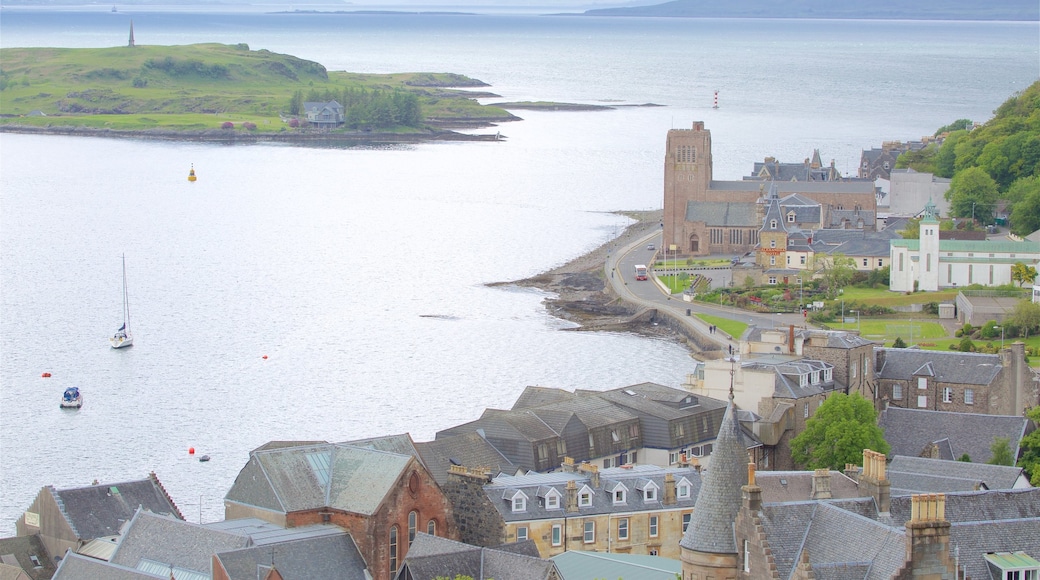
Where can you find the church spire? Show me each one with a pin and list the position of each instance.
(131, 44)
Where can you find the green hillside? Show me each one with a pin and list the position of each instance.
(203, 85)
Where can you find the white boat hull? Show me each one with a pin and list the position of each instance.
(72, 404)
(121, 342)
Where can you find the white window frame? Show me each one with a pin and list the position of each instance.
(654, 530)
(969, 396)
(897, 392)
(521, 533)
(552, 501)
(922, 383)
(557, 535)
(519, 503)
(589, 535)
(922, 401)
(947, 395)
(650, 493)
(620, 496)
(686, 519)
(622, 528)
(805, 411)
(585, 498)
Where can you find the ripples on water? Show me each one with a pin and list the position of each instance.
(360, 272)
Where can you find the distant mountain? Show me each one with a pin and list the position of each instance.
(1025, 10)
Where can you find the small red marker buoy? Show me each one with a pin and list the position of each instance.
(264, 357)
(191, 451)
(46, 375)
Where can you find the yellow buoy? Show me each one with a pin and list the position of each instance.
(191, 174)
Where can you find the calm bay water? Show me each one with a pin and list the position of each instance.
(361, 272)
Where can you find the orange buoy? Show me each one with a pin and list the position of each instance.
(191, 451)
(264, 357)
(46, 375)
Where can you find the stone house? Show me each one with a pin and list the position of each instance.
(329, 115)
(381, 498)
(643, 423)
(736, 534)
(70, 519)
(634, 509)
(954, 381)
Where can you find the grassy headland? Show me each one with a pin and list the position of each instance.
(198, 88)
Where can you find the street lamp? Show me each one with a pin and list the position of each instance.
(1001, 327)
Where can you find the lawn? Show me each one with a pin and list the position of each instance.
(887, 329)
(885, 297)
(733, 328)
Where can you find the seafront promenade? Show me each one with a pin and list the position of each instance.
(619, 272)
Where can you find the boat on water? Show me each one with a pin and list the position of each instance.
(72, 398)
(122, 338)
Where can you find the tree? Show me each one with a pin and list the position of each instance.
(965, 458)
(1023, 274)
(1025, 213)
(912, 230)
(898, 342)
(1000, 451)
(837, 434)
(1026, 316)
(838, 270)
(1030, 448)
(958, 125)
(296, 103)
(973, 193)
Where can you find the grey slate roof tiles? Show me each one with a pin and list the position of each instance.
(922, 475)
(719, 499)
(22, 549)
(910, 431)
(430, 557)
(952, 367)
(468, 449)
(76, 567)
(723, 213)
(172, 542)
(329, 557)
(101, 510)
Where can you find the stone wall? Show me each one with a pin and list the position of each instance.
(477, 521)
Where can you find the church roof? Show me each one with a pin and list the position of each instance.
(722, 213)
(719, 500)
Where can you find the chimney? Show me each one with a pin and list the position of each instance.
(928, 538)
(592, 471)
(872, 480)
(568, 465)
(852, 471)
(572, 497)
(790, 338)
(751, 493)
(698, 125)
(669, 489)
(821, 484)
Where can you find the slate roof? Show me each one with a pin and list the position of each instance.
(401, 444)
(723, 213)
(869, 247)
(788, 486)
(662, 402)
(330, 557)
(76, 567)
(851, 216)
(468, 449)
(343, 477)
(539, 396)
(951, 367)
(834, 338)
(101, 510)
(20, 548)
(172, 542)
(579, 565)
(785, 187)
(922, 475)
(773, 212)
(432, 556)
(909, 431)
(787, 384)
(719, 499)
(535, 485)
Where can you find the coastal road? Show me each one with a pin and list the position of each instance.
(619, 270)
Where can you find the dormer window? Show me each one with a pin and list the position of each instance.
(614, 436)
(519, 502)
(772, 224)
(1012, 566)
(790, 218)
(650, 493)
(620, 496)
(552, 500)
(816, 377)
(827, 375)
(682, 490)
(803, 380)
(585, 497)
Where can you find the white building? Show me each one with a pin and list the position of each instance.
(910, 190)
(931, 263)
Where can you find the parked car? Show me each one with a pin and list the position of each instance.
(651, 247)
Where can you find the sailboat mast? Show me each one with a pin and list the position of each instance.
(126, 299)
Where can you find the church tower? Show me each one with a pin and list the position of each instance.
(928, 264)
(687, 175)
(708, 549)
(772, 238)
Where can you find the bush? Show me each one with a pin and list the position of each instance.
(249, 126)
(966, 345)
(294, 123)
(931, 308)
(958, 333)
(140, 83)
(227, 125)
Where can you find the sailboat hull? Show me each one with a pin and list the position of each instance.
(121, 342)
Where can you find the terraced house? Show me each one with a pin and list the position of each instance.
(635, 509)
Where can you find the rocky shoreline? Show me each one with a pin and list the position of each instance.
(581, 295)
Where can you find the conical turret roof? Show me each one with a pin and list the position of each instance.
(711, 527)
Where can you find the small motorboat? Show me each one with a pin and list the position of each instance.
(204, 458)
(72, 399)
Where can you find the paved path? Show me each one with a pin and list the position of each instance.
(619, 270)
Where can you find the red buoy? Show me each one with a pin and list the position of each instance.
(191, 451)
(265, 357)
(46, 375)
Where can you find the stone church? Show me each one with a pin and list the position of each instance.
(703, 216)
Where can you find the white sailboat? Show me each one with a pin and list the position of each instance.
(122, 337)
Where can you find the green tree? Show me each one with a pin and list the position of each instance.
(965, 458)
(1030, 449)
(912, 231)
(1000, 451)
(837, 434)
(973, 193)
(1022, 273)
(1026, 316)
(838, 270)
(898, 342)
(296, 103)
(958, 125)
(1025, 212)
(946, 157)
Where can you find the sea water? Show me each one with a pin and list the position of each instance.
(300, 293)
